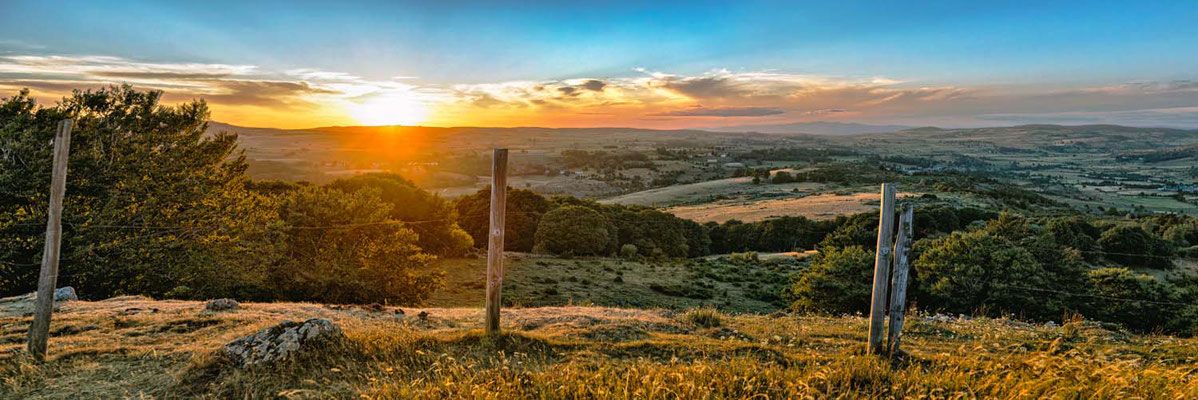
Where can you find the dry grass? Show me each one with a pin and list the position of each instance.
(124, 349)
(819, 207)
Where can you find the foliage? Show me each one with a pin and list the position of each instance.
(573, 230)
(152, 203)
(339, 252)
(1139, 295)
(628, 251)
(436, 220)
(522, 214)
(980, 271)
(1132, 246)
(839, 281)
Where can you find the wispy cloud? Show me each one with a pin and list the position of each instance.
(251, 94)
(721, 112)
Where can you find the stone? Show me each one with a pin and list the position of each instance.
(65, 293)
(222, 305)
(281, 341)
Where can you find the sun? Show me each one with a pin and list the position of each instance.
(388, 109)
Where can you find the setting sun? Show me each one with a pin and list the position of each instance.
(388, 109)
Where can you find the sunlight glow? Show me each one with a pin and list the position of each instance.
(389, 109)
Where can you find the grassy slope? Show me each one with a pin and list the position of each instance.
(135, 347)
(538, 282)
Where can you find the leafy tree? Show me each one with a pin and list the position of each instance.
(1138, 297)
(839, 280)
(338, 252)
(573, 230)
(153, 204)
(858, 230)
(1182, 235)
(1132, 246)
(1075, 233)
(783, 177)
(436, 224)
(967, 272)
(523, 212)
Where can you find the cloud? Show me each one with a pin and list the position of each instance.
(721, 112)
(594, 85)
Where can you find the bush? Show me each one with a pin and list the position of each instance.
(978, 270)
(1132, 246)
(356, 264)
(839, 280)
(523, 212)
(438, 230)
(628, 251)
(1137, 311)
(572, 230)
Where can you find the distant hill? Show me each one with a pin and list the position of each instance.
(829, 128)
(1045, 137)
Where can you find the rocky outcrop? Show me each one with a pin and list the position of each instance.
(281, 341)
(222, 305)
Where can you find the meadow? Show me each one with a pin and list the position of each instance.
(134, 347)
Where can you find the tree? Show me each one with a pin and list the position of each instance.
(523, 212)
(436, 219)
(573, 230)
(1132, 246)
(335, 252)
(154, 204)
(1138, 294)
(840, 280)
(980, 271)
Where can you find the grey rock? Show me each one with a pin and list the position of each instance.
(65, 293)
(281, 341)
(222, 305)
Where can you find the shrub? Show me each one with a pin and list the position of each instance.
(523, 213)
(1137, 311)
(978, 270)
(438, 231)
(838, 281)
(628, 251)
(355, 264)
(1132, 246)
(574, 230)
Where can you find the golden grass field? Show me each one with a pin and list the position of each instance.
(817, 207)
(133, 347)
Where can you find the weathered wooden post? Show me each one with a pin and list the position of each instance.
(495, 242)
(877, 308)
(48, 277)
(898, 286)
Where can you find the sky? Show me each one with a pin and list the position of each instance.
(299, 64)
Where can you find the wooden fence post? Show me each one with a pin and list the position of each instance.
(495, 244)
(48, 277)
(898, 287)
(877, 308)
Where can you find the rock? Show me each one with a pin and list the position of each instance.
(280, 341)
(65, 293)
(222, 305)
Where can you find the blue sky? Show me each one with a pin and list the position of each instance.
(449, 58)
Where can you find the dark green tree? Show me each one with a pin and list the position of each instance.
(524, 209)
(436, 220)
(839, 280)
(573, 230)
(154, 204)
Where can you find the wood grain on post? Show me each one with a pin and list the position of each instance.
(495, 242)
(877, 308)
(48, 277)
(898, 286)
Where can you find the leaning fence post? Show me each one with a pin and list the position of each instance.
(495, 244)
(898, 287)
(877, 309)
(48, 277)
